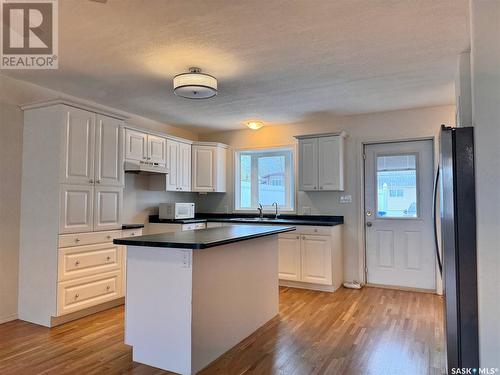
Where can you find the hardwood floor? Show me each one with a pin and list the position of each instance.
(370, 331)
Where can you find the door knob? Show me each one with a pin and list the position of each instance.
(369, 224)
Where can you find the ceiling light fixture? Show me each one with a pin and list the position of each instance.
(195, 85)
(254, 125)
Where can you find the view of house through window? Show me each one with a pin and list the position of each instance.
(397, 186)
(265, 177)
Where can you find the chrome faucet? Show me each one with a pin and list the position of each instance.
(261, 211)
(277, 214)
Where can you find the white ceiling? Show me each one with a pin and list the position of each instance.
(278, 61)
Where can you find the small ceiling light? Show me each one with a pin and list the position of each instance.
(254, 125)
(195, 85)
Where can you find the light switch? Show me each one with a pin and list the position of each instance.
(345, 199)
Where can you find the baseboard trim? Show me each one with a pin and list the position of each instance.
(8, 318)
(403, 288)
(310, 286)
(58, 320)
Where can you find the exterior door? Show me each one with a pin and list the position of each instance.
(157, 149)
(108, 208)
(203, 168)
(398, 214)
(184, 170)
(289, 257)
(108, 162)
(308, 164)
(76, 210)
(136, 145)
(317, 259)
(78, 154)
(172, 165)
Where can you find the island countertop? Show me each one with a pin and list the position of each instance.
(203, 238)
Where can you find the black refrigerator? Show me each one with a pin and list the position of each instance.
(458, 244)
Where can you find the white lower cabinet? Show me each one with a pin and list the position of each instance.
(289, 257)
(77, 294)
(311, 257)
(316, 259)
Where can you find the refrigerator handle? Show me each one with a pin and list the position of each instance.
(434, 215)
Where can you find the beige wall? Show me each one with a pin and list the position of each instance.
(485, 64)
(395, 125)
(138, 201)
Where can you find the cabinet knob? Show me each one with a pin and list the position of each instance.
(108, 237)
(77, 263)
(108, 287)
(91, 181)
(321, 187)
(77, 240)
(315, 188)
(98, 181)
(133, 233)
(298, 237)
(108, 259)
(77, 295)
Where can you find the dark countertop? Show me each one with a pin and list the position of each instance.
(132, 226)
(203, 238)
(315, 220)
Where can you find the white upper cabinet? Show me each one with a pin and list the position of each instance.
(136, 145)
(108, 155)
(321, 162)
(157, 149)
(76, 208)
(108, 208)
(331, 163)
(209, 167)
(308, 164)
(184, 169)
(172, 165)
(77, 163)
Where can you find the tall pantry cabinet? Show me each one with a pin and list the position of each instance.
(71, 210)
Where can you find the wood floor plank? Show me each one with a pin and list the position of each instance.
(369, 331)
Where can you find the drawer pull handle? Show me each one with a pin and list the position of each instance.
(77, 240)
(108, 259)
(77, 263)
(132, 234)
(77, 295)
(108, 287)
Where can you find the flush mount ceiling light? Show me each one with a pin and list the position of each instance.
(254, 125)
(195, 85)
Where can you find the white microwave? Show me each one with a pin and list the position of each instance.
(175, 211)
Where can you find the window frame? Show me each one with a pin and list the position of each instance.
(290, 173)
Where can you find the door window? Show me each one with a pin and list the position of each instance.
(397, 186)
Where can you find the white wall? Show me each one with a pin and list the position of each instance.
(395, 125)
(138, 202)
(485, 64)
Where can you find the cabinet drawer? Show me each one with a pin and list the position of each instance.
(89, 238)
(132, 232)
(80, 261)
(200, 226)
(81, 293)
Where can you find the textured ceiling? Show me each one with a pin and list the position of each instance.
(278, 61)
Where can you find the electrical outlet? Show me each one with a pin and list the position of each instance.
(345, 199)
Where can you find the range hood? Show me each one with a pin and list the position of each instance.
(144, 167)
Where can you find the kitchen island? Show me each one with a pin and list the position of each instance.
(191, 296)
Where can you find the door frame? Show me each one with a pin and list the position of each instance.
(361, 210)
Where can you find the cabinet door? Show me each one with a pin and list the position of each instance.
(184, 169)
(77, 162)
(308, 164)
(108, 156)
(76, 208)
(289, 257)
(136, 145)
(172, 165)
(331, 171)
(108, 207)
(203, 168)
(316, 252)
(157, 149)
